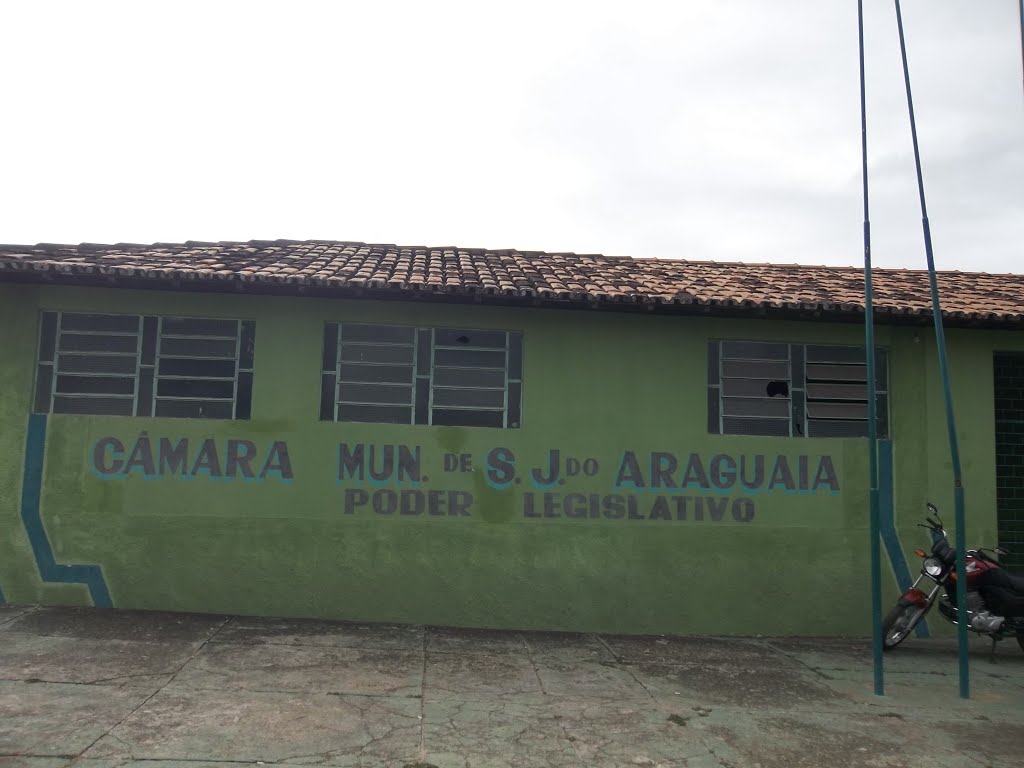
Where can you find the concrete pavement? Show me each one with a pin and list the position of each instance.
(104, 689)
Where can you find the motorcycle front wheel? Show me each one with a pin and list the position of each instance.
(899, 623)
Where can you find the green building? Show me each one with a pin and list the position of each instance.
(486, 438)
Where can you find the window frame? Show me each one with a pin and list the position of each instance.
(146, 358)
(423, 369)
(798, 383)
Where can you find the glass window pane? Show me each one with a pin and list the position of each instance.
(377, 414)
(751, 406)
(469, 377)
(394, 374)
(97, 364)
(144, 402)
(714, 362)
(243, 402)
(825, 372)
(774, 388)
(754, 350)
(470, 398)
(423, 352)
(378, 334)
(819, 410)
(398, 394)
(747, 369)
(368, 353)
(834, 354)
(200, 368)
(85, 343)
(826, 428)
(94, 406)
(191, 347)
(817, 391)
(47, 336)
(515, 397)
(454, 418)
(44, 387)
(74, 321)
(765, 427)
(714, 411)
(188, 326)
(469, 358)
(422, 401)
(95, 385)
(330, 351)
(195, 388)
(451, 337)
(247, 345)
(149, 340)
(515, 356)
(327, 384)
(194, 409)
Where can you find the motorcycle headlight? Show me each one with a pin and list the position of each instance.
(932, 567)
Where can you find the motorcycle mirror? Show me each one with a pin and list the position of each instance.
(932, 508)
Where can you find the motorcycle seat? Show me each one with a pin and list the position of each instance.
(1000, 577)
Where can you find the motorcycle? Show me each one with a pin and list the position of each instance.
(995, 597)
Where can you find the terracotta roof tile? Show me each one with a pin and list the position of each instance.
(533, 277)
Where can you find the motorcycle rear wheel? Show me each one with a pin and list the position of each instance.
(899, 623)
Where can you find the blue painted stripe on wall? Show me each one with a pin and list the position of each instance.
(31, 493)
(891, 539)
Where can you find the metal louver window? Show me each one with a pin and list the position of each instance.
(780, 389)
(88, 363)
(125, 365)
(203, 368)
(407, 375)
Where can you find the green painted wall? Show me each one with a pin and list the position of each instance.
(595, 385)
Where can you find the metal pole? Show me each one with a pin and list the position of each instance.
(940, 342)
(869, 353)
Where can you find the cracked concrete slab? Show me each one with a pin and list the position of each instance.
(638, 732)
(310, 669)
(474, 641)
(690, 650)
(735, 684)
(520, 731)
(109, 624)
(567, 646)
(12, 761)
(46, 658)
(590, 679)
(52, 719)
(854, 739)
(325, 633)
(9, 613)
(481, 676)
(316, 729)
(288, 692)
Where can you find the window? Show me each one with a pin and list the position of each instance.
(404, 375)
(124, 365)
(771, 388)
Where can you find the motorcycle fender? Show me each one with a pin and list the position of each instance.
(914, 596)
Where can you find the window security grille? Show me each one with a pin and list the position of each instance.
(778, 389)
(124, 365)
(406, 375)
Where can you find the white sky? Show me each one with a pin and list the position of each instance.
(699, 129)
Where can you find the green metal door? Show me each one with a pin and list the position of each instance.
(1009, 407)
